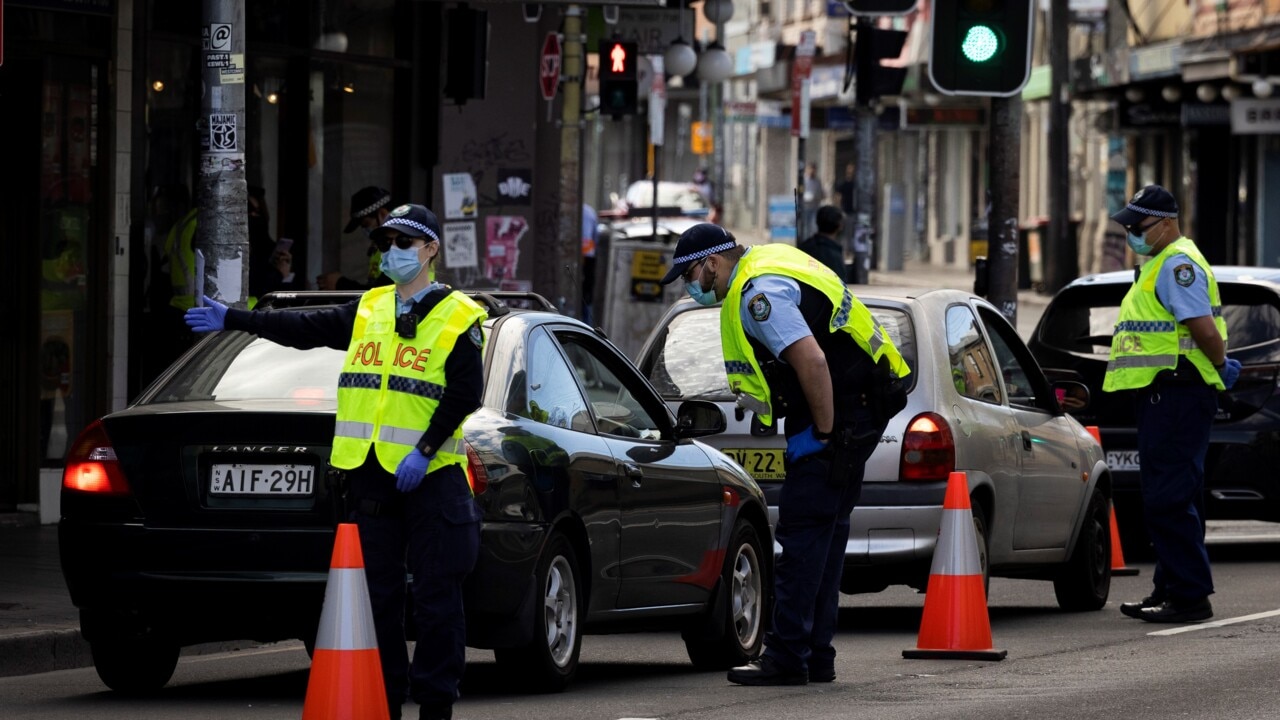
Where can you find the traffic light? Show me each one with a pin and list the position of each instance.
(880, 7)
(617, 77)
(874, 44)
(981, 47)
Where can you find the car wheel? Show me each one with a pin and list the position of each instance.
(980, 531)
(733, 633)
(549, 662)
(1084, 582)
(134, 666)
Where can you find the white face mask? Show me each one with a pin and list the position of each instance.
(402, 266)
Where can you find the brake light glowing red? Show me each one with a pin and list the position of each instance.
(477, 476)
(928, 449)
(92, 466)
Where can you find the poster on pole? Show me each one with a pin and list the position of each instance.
(459, 196)
(459, 245)
(502, 245)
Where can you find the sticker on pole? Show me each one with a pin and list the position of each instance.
(222, 132)
(549, 66)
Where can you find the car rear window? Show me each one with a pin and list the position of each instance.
(238, 366)
(1082, 319)
(689, 362)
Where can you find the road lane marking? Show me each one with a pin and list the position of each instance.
(1216, 623)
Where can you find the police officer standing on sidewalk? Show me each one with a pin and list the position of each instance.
(1169, 347)
(412, 375)
(798, 344)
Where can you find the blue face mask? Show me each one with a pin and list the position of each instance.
(700, 296)
(401, 266)
(1138, 243)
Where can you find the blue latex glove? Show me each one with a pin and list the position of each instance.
(411, 470)
(1230, 372)
(213, 316)
(803, 445)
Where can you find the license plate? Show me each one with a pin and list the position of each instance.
(244, 479)
(1122, 459)
(762, 464)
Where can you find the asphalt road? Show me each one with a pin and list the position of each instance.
(1060, 665)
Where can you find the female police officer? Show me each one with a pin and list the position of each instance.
(798, 343)
(412, 375)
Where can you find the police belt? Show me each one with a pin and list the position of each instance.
(1185, 374)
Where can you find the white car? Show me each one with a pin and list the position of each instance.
(977, 402)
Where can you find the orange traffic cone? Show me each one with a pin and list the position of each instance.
(346, 672)
(1117, 553)
(955, 625)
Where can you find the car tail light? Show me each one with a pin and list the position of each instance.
(928, 449)
(477, 476)
(92, 466)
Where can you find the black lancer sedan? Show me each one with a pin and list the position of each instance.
(206, 511)
(1074, 335)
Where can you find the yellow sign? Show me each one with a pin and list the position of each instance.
(647, 268)
(703, 142)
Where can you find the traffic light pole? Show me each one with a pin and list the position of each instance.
(1003, 145)
(569, 249)
(864, 199)
(1063, 265)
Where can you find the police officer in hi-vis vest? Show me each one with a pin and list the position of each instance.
(412, 375)
(1169, 348)
(798, 344)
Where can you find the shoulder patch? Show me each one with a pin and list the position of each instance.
(1184, 274)
(400, 211)
(476, 335)
(759, 307)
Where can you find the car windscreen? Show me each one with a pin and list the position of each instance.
(1082, 319)
(688, 362)
(685, 197)
(234, 366)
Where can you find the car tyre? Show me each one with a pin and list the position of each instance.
(980, 531)
(733, 633)
(134, 666)
(550, 660)
(1084, 582)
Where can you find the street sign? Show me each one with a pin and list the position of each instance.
(700, 138)
(549, 66)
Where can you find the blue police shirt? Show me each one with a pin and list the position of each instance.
(1183, 288)
(781, 324)
(403, 306)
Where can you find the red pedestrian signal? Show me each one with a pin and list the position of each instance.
(617, 77)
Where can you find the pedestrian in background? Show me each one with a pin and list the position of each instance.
(270, 263)
(813, 197)
(369, 209)
(1169, 347)
(824, 245)
(798, 344)
(399, 439)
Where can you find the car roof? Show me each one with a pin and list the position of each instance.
(1223, 273)
(496, 302)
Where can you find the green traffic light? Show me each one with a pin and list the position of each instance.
(981, 43)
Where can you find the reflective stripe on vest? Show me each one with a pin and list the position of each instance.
(390, 386)
(848, 314)
(1148, 338)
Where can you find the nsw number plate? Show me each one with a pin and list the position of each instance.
(1122, 459)
(243, 479)
(762, 464)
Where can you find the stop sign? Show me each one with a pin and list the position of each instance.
(549, 66)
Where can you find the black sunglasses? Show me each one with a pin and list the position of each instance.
(1139, 229)
(404, 242)
(688, 273)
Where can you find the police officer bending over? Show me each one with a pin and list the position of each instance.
(412, 375)
(1169, 347)
(798, 344)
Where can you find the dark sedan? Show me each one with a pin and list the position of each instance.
(601, 514)
(1074, 335)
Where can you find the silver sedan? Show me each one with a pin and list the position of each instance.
(978, 403)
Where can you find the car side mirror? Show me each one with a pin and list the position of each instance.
(699, 418)
(1072, 396)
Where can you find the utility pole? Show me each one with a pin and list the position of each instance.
(222, 193)
(801, 70)
(864, 199)
(1004, 142)
(569, 249)
(1062, 264)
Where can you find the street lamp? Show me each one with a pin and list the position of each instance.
(715, 65)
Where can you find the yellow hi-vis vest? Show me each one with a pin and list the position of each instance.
(1148, 338)
(179, 248)
(848, 314)
(390, 386)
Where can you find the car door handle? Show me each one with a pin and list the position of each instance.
(634, 473)
(1026, 441)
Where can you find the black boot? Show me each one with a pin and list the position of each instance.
(766, 672)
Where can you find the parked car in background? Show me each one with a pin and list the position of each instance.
(978, 403)
(1073, 338)
(682, 195)
(601, 513)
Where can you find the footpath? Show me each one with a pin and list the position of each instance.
(40, 628)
